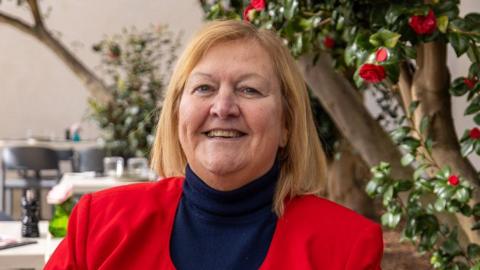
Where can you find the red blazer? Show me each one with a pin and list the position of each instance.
(129, 227)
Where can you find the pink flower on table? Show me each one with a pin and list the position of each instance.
(59, 193)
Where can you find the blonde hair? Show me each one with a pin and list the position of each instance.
(303, 166)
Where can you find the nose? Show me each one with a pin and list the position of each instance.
(225, 104)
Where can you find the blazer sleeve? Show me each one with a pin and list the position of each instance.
(70, 253)
(367, 251)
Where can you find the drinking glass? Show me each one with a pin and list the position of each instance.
(113, 166)
(138, 166)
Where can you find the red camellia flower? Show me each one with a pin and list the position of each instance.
(372, 73)
(329, 42)
(470, 83)
(474, 134)
(254, 4)
(381, 55)
(423, 25)
(453, 180)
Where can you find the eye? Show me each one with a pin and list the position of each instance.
(203, 89)
(250, 92)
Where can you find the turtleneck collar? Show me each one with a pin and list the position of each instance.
(249, 199)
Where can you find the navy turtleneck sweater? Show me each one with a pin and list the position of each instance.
(224, 230)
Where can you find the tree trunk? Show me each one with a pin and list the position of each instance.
(346, 181)
(430, 86)
(353, 120)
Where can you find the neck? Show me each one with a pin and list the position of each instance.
(248, 198)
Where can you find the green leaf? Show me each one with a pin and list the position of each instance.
(474, 70)
(451, 247)
(462, 195)
(410, 144)
(459, 43)
(458, 88)
(306, 24)
(371, 188)
(424, 124)
(476, 266)
(444, 173)
(407, 159)
(413, 106)
(291, 7)
(400, 133)
(440, 204)
(403, 185)
(388, 195)
(474, 107)
(466, 147)
(472, 21)
(393, 13)
(420, 171)
(476, 210)
(477, 119)
(384, 38)
(442, 24)
(473, 251)
(390, 220)
(448, 8)
(429, 144)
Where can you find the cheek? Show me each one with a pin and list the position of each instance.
(268, 122)
(191, 115)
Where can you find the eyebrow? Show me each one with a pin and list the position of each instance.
(243, 77)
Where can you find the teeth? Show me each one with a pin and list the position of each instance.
(224, 133)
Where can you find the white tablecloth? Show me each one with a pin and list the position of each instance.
(31, 256)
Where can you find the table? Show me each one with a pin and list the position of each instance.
(87, 182)
(52, 144)
(31, 256)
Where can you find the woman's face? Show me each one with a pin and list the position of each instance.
(231, 115)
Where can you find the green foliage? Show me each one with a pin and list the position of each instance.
(421, 226)
(359, 30)
(135, 65)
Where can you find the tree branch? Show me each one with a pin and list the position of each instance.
(405, 85)
(93, 84)
(35, 12)
(430, 86)
(16, 23)
(345, 107)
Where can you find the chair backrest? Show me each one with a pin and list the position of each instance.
(64, 154)
(90, 159)
(30, 158)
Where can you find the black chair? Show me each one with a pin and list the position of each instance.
(66, 155)
(90, 159)
(30, 163)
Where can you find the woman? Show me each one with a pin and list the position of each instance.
(236, 122)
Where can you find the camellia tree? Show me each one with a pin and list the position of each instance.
(396, 51)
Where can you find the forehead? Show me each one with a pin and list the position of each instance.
(236, 57)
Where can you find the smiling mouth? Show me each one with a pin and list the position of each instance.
(227, 134)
